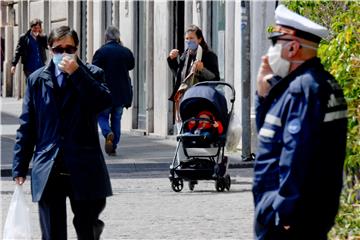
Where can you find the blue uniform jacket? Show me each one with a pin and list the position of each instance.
(47, 127)
(302, 126)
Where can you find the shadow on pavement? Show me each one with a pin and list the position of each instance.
(139, 156)
(7, 118)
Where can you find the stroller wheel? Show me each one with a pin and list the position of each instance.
(227, 182)
(220, 184)
(192, 185)
(177, 184)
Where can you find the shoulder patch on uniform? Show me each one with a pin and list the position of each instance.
(294, 126)
(295, 86)
(304, 83)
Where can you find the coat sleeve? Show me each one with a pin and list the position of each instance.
(173, 65)
(211, 68)
(262, 104)
(97, 59)
(18, 51)
(25, 136)
(90, 83)
(303, 119)
(131, 62)
(260, 111)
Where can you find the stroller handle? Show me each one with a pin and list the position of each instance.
(216, 83)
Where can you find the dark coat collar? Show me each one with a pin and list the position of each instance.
(48, 74)
(112, 42)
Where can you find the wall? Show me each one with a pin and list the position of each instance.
(127, 33)
(162, 77)
(159, 34)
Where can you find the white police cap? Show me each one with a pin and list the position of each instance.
(297, 25)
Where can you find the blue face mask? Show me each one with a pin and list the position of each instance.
(57, 58)
(192, 45)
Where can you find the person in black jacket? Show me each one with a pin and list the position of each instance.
(31, 48)
(58, 132)
(116, 61)
(187, 66)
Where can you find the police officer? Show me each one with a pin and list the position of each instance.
(301, 118)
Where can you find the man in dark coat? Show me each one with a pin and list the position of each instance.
(301, 117)
(58, 131)
(31, 48)
(116, 61)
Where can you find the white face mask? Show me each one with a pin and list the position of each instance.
(35, 34)
(57, 58)
(278, 65)
(70, 55)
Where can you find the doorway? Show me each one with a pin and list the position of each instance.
(178, 39)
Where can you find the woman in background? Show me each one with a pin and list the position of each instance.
(196, 64)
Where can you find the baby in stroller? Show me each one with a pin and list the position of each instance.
(205, 123)
(199, 153)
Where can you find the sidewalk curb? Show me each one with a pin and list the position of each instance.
(161, 166)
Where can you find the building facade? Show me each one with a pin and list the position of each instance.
(150, 29)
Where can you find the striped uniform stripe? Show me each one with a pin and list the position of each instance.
(267, 132)
(273, 120)
(332, 116)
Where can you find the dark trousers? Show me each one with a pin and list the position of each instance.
(52, 211)
(113, 114)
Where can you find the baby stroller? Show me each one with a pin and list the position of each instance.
(202, 138)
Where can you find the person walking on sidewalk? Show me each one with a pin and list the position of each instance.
(116, 61)
(58, 131)
(299, 162)
(31, 48)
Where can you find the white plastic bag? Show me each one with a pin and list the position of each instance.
(17, 224)
(233, 133)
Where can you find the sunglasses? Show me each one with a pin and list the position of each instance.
(274, 40)
(60, 50)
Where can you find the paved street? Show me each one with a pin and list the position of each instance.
(143, 205)
(146, 208)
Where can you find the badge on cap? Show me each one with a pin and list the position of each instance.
(294, 126)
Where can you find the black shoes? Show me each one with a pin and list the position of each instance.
(112, 153)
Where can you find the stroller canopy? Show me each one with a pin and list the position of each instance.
(203, 97)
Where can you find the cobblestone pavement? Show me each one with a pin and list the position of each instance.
(147, 208)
